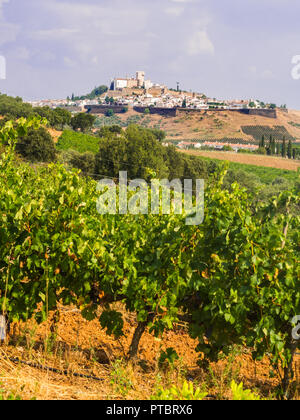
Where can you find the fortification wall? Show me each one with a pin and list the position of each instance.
(166, 112)
(268, 113)
(102, 109)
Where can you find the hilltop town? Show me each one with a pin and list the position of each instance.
(139, 92)
(190, 120)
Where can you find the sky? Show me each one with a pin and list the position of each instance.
(228, 49)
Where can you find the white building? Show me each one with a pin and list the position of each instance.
(120, 83)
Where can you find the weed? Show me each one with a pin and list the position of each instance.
(120, 378)
(186, 392)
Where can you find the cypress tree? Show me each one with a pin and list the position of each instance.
(273, 146)
(289, 151)
(283, 150)
(269, 151)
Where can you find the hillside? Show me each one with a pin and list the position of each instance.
(210, 125)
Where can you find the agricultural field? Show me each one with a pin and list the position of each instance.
(112, 306)
(249, 159)
(81, 346)
(278, 132)
(69, 140)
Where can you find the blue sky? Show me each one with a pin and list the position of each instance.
(224, 48)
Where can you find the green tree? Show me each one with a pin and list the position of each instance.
(83, 161)
(97, 91)
(107, 131)
(110, 113)
(272, 146)
(135, 150)
(37, 146)
(175, 162)
(283, 148)
(14, 107)
(159, 134)
(290, 150)
(83, 122)
(64, 115)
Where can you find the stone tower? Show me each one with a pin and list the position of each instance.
(140, 77)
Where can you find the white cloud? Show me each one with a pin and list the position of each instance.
(174, 11)
(8, 31)
(1, 5)
(89, 31)
(199, 43)
(22, 53)
(69, 62)
(261, 74)
(267, 75)
(47, 56)
(54, 34)
(107, 20)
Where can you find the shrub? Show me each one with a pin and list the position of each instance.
(37, 146)
(241, 394)
(83, 161)
(109, 113)
(83, 122)
(227, 149)
(261, 151)
(186, 392)
(108, 130)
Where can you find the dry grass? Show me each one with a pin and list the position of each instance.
(55, 134)
(249, 159)
(218, 124)
(81, 346)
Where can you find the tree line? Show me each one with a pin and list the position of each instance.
(275, 148)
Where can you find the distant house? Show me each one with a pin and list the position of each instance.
(187, 144)
(234, 146)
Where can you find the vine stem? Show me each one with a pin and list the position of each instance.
(138, 333)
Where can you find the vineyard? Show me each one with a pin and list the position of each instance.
(257, 131)
(234, 280)
(78, 142)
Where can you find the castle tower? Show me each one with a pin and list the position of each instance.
(140, 77)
